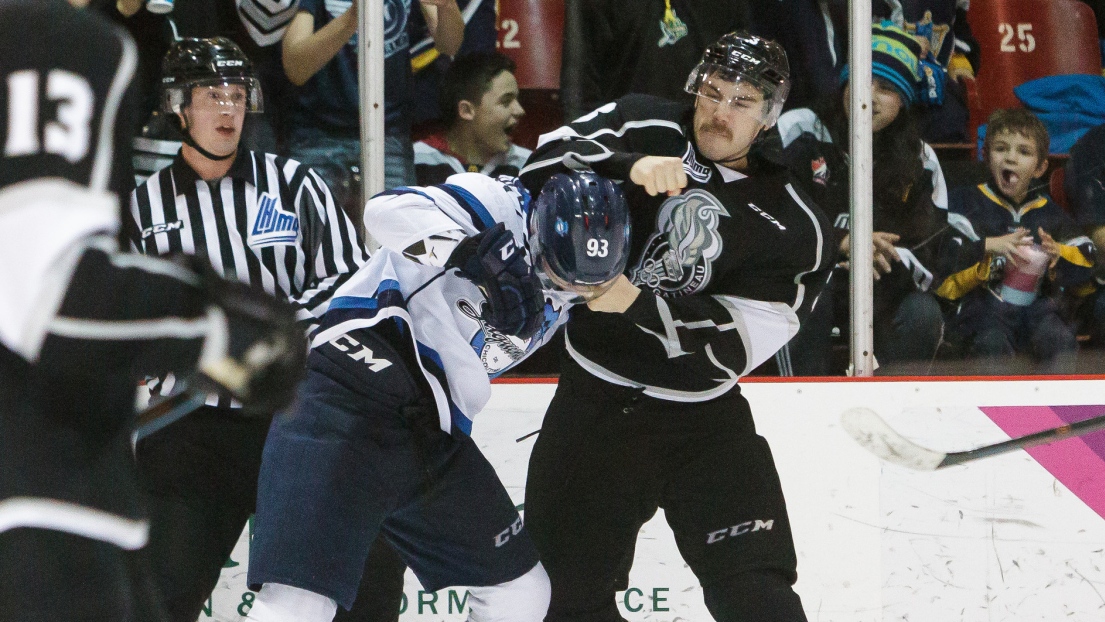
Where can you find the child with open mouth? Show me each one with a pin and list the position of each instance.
(1028, 254)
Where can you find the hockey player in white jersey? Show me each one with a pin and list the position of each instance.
(379, 442)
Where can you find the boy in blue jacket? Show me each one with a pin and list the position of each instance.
(1008, 305)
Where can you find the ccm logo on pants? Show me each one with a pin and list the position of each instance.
(364, 354)
(737, 530)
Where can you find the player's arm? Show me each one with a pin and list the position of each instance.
(698, 345)
(610, 141)
(694, 346)
(332, 247)
(80, 310)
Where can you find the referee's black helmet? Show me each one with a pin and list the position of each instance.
(213, 61)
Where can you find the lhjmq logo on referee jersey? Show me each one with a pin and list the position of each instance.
(273, 225)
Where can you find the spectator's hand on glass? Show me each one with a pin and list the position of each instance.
(882, 251)
(659, 175)
(1007, 245)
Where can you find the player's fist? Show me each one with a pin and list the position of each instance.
(491, 260)
(659, 175)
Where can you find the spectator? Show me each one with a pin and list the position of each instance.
(948, 52)
(910, 208)
(643, 46)
(1009, 299)
(428, 64)
(805, 29)
(320, 54)
(479, 106)
(1085, 188)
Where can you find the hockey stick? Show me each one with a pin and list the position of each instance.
(167, 411)
(873, 434)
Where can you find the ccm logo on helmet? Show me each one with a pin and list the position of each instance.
(228, 63)
(737, 530)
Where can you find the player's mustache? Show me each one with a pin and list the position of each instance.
(717, 128)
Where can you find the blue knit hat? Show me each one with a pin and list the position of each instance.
(895, 57)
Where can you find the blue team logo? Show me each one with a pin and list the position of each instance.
(396, 38)
(498, 351)
(273, 226)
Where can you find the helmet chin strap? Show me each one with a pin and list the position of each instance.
(186, 135)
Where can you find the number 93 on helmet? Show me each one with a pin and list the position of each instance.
(579, 233)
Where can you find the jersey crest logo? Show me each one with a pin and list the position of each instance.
(176, 225)
(678, 260)
(396, 38)
(695, 169)
(497, 351)
(672, 28)
(820, 170)
(273, 226)
(935, 33)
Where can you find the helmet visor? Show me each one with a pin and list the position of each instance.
(759, 99)
(217, 93)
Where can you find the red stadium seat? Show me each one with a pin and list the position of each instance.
(530, 32)
(1022, 40)
(1055, 187)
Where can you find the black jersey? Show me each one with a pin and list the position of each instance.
(728, 269)
(80, 322)
(64, 103)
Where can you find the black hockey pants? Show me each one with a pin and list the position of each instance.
(608, 457)
(200, 474)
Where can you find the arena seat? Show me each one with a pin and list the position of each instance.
(1056, 189)
(530, 33)
(1022, 40)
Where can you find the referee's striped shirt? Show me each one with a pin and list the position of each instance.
(270, 221)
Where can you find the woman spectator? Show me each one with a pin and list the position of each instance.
(910, 208)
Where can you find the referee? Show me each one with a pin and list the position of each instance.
(255, 217)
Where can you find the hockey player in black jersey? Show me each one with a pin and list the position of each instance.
(80, 323)
(727, 258)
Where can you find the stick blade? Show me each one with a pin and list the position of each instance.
(873, 434)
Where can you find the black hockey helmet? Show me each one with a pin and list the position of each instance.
(743, 57)
(579, 232)
(206, 62)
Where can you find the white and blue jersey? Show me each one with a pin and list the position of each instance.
(438, 310)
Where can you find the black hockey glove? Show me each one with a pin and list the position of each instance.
(491, 260)
(266, 350)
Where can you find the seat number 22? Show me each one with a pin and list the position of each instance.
(597, 247)
(66, 135)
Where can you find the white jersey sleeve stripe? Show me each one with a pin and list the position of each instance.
(101, 168)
